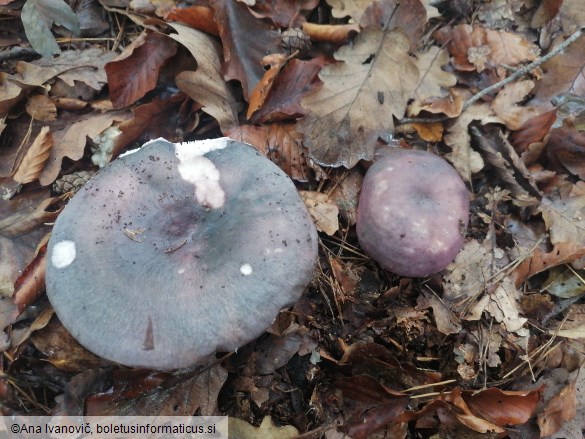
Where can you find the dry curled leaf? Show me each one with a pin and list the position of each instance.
(206, 84)
(31, 166)
(322, 210)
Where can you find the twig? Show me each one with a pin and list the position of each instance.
(517, 74)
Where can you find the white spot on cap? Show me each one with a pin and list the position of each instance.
(200, 171)
(63, 254)
(246, 269)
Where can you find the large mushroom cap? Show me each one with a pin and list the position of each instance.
(178, 250)
(413, 213)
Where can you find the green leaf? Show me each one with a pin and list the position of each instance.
(39, 15)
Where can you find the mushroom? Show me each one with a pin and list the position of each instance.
(413, 213)
(176, 251)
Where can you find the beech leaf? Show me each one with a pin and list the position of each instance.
(32, 164)
(206, 84)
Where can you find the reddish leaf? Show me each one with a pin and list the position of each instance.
(31, 283)
(369, 405)
(503, 408)
(275, 63)
(246, 41)
(566, 147)
(295, 80)
(547, 10)
(560, 409)
(158, 118)
(533, 130)
(148, 393)
(564, 73)
(197, 17)
(562, 253)
(135, 71)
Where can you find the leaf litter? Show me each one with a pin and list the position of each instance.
(493, 345)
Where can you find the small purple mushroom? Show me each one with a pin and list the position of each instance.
(176, 251)
(413, 213)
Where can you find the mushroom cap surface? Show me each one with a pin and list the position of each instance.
(413, 213)
(176, 251)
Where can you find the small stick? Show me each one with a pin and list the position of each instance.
(517, 74)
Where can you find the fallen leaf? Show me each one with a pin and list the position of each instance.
(158, 394)
(503, 306)
(407, 15)
(346, 195)
(62, 350)
(545, 12)
(507, 165)
(504, 47)
(275, 63)
(31, 283)
(71, 140)
(283, 13)
(239, 429)
(159, 118)
(246, 40)
(296, 79)
(40, 107)
(503, 408)
(368, 405)
(10, 94)
(21, 227)
(281, 143)
(539, 261)
(135, 71)
(322, 210)
(566, 148)
(563, 212)
(359, 98)
(31, 166)
(85, 66)
(463, 157)
(506, 108)
(563, 74)
(196, 17)
(533, 131)
(37, 18)
(434, 81)
(206, 84)
(345, 274)
(560, 409)
(470, 273)
(447, 322)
